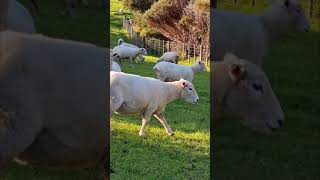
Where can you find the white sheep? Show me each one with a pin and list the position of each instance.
(133, 94)
(129, 52)
(169, 57)
(121, 42)
(16, 17)
(242, 88)
(166, 71)
(249, 36)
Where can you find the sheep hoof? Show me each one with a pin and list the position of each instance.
(171, 134)
(141, 134)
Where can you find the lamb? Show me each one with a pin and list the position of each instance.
(242, 88)
(169, 57)
(16, 17)
(166, 71)
(129, 52)
(133, 94)
(249, 36)
(114, 66)
(53, 110)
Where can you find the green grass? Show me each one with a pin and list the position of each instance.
(158, 156)
(292, 152)
(89, 26)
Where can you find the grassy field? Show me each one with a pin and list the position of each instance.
(89, 26)
(158, 156)
(293, 152)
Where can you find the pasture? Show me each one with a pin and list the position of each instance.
(292, 152)
(158, 156)
(88, 26)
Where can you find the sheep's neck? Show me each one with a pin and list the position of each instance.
(221, 82)
(195, 68)
(173, 91)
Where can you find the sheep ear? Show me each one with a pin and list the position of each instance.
(287, 3)
(236, 72)
(230, 57)
(184, 83)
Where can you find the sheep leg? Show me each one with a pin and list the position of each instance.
(163, 121)
(146, 118)
(115, 100)
(19, 129)
(131, 61)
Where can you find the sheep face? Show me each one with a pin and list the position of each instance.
(202, 66)
(120, 41)
(115, 57)
(252, 97)
(294, 16)
(188, 92)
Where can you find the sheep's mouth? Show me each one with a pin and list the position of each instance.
(272, 129)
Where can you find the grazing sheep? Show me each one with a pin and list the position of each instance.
(242, 88)
(53, 110)
(133, 94)
(166, 71)
(169, 57)
(249, 36)
(122, 43)
(129, 52)
(16, 17)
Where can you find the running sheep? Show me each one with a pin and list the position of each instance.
(166, 71)
(133, 94)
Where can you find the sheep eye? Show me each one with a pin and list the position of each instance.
(257, 87)
(190, 89)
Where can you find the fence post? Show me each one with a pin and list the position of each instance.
(311, 8)
(200, 54)
(162, 46)
(188, 54)
(194, 53)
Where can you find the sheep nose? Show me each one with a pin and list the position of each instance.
(197, 100)
(280, 122)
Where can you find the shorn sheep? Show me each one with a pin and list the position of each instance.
(121, 42)
(169, 57)
(249, 36)
(243, 89)
(53, 110)
(16, 17)
(133, 94)
(129, 52)
(166, 71)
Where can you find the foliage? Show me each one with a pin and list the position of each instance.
(138, 5)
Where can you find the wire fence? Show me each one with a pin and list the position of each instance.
(159, 46)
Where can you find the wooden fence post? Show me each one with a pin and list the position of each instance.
(194, 53)
(200, 54)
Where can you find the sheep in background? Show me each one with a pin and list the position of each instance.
(166, 71)
(129, 52)
(169, 57)
(249, 36)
